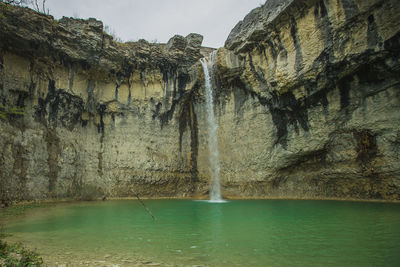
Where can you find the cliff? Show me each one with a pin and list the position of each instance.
(310, 90)
(97, 114)
(307, 102)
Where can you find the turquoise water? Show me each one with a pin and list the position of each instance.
(236, 233)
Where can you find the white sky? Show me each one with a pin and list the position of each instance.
(159, 20)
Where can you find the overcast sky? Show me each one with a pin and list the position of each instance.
(160, 19)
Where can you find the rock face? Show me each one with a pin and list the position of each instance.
(307, 102)
(310, 90)
(100, 117)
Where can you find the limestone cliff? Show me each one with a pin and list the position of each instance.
(97, 113)
(309, 100)
(307, 105)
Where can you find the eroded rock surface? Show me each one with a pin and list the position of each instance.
(310, 93)
(100, 117)
(307, 102)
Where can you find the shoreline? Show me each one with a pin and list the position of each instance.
(70, 200)
(70, 258)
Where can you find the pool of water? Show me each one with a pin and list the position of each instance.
(235, 233)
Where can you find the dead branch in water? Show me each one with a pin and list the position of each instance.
(148, 211)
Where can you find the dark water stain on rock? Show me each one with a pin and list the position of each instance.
(344, 90)
(101, 110)
(183, 80)
(53, 150)
(276, 47)
(1, 61)
(59, 107)
(366, 146)
(91, 101)
(323, 23)
(156, 111)
(296, 43)
(239, 97)
(284, 108)
(20, 170)
(166, 116)
(188, 120)
(393, 44)
(116, 92)
(320, 9)
(373, 38)
(169, 73)
(350, 8)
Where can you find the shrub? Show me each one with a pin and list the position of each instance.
(6, 112)
(16, 255)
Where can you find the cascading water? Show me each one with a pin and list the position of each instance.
(212, 127)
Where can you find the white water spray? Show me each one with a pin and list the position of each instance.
(212, 127)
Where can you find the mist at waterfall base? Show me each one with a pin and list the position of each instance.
(238, 233)
(212, 128)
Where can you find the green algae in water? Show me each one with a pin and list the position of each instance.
(236, 233)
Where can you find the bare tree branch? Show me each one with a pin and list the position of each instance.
(37, 6)
(15, 2)
(34, 4)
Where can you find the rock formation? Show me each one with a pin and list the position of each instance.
(313, 102)
(307, 102)
(98, 114)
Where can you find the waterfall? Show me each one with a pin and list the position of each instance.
(212, 127)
